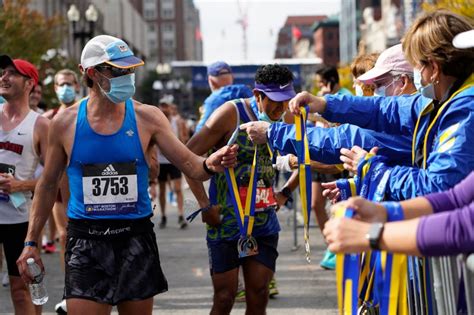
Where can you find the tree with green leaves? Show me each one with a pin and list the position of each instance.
(461, 7)
(27, 34)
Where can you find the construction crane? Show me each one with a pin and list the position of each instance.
(243, 22)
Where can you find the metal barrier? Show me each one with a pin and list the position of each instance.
(451, 284)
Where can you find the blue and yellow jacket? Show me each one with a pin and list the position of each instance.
(442, 152)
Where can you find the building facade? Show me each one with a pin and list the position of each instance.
(326, 41)
(174, 30)
(115, 17)
(295, 37)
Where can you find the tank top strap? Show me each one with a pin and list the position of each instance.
(129, 119)
(82, 113)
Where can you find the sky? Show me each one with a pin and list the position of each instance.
(222, 35)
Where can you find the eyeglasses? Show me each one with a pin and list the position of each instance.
(114, 71)
(387, 81)
(10, 72)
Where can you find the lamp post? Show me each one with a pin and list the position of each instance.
(82, 32)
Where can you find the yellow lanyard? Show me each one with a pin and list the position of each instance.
(304, 172)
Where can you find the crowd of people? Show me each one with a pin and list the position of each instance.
(105, 154)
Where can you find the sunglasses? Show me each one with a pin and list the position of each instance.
(10, 72)
(115, 72)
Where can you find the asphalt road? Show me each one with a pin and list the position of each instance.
(304, 288)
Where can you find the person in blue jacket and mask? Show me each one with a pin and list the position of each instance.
(221, 82)
(439, 119)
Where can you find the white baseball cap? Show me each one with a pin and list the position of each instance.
(110, 50)
(464, 40)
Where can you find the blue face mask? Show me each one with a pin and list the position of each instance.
(380, 91)
(121, 88)
(66, 94)
(2, 100)
(426, 91)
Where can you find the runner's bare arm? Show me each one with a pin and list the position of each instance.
(152, 157)
(177, 153)
(45, 194)
(212, 134)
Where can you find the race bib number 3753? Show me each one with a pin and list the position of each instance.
(110, 188)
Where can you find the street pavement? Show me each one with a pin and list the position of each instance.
(304, 288)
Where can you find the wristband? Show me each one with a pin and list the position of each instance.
(394, 211)
(208, 171)
(30, 243)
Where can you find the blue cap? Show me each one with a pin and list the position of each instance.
(218, 68)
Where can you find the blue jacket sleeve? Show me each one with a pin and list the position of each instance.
(451, 158)
(219, 97)
(325, 143)
(393, 115)
(209, 107)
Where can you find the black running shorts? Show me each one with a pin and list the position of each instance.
(168, 172)
(12, 236)
(113, 270)
(224, 255)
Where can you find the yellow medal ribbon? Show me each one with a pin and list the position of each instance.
(304, 172)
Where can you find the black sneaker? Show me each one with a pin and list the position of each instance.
(182, 222)
(163, 222)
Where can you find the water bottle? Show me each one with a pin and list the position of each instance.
(38, 292)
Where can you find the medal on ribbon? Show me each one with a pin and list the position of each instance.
(304, 171)
(247, 244)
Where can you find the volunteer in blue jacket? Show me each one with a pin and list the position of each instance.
(439, 119)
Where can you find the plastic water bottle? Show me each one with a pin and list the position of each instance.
(38, 292)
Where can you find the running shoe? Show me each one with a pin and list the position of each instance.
(163, 222)
(182, 223)
(61, 307)
(5, 280)
(50, 248)
(240, 296)
(329, 261)
(272, 288)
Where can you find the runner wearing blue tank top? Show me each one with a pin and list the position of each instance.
(273, 89)
(111, 253)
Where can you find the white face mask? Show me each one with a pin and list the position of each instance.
(358, 90)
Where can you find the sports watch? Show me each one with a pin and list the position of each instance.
(374, 234)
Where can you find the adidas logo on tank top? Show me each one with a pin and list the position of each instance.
(109, 170)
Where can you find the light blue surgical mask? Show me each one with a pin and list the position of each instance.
(66, 94)
(262, 116)
(427, 90)
(358, 90)
(2, 100)
(121, 88)
(380, 91)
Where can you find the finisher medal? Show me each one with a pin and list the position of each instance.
(247, 246)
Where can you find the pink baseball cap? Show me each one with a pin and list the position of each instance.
(391, 59)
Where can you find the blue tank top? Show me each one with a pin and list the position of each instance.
(108, 174)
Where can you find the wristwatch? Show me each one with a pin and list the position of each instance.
(286, 191)
(374, 234)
